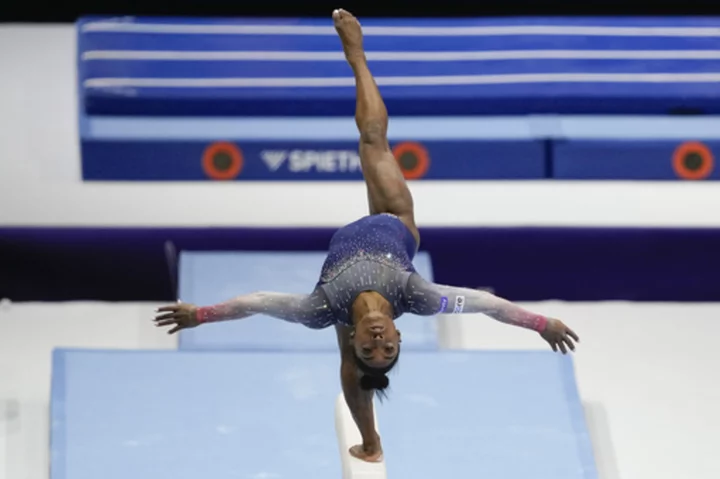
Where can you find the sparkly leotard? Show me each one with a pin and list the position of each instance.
(374, 253)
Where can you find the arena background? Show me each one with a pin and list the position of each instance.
(624, 247)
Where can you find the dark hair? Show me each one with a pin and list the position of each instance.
(375, 379)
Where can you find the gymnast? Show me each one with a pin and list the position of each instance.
(368, 280)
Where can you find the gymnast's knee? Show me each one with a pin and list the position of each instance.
(373, 134)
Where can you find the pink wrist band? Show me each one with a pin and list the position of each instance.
(201, 315)
(541, 324)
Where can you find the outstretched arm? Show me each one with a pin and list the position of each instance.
(427, 299)
(359, 402)
(312, 310)
(290, 307)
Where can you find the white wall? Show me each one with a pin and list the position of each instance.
(40, 174)
(648, 381)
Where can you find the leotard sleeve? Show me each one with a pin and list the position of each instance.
(427, 299)
(311, 310)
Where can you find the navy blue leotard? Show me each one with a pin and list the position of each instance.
(374, 253)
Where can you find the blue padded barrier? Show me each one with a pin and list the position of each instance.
(212, 277)
(423, 129)
(120, 414)
(635, 160)
(250, 67)
(146, 160)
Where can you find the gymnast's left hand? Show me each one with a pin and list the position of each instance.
(179, 316)
(559, 336)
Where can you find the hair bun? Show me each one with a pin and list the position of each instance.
(369, 382)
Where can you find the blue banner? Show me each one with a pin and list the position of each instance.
(635, 160)
(306, 161)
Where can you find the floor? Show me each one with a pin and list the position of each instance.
(645, 373)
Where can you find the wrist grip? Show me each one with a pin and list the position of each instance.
(540, 324)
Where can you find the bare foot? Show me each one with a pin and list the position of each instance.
(350, 33)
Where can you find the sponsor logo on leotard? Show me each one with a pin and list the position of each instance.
(459, 304)
(443, 304)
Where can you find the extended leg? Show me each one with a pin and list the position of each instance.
(387, 190)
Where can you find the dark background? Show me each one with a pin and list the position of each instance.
(69, 11)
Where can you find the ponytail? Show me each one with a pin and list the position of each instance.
(369, 383)
(375, 379)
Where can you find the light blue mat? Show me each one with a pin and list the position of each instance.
(145, 415)
(185, 415)
(509, 415)
(212, 277)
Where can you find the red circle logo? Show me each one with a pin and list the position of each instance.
(413, 159)
(693, 160)
(222, 161)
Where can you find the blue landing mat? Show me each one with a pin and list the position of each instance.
(120, 414)
(212, 277)
(145, 415)
(490, 414)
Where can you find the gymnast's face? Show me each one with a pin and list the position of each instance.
(376, 339)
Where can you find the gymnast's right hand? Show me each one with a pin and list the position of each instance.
(369, 452)
(180, 316)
